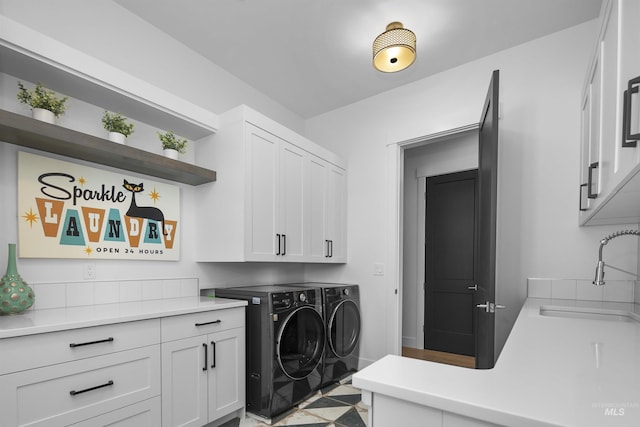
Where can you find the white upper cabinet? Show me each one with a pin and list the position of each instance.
(608, 160)
(278, 197)
(326, 217)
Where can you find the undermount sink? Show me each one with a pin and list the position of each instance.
(588, 313)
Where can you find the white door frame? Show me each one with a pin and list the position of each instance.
(394, 256)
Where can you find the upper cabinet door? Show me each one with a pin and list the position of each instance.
(336, 214)
(261, 194)
(627, 157)
(607, 99)
(316, 194)
(291, 203)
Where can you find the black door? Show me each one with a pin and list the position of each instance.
(487, 196)
(450, 262)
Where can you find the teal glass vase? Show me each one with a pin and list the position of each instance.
(15, 295)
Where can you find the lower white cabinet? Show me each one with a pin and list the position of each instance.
(185, 370)
(53, 394)
(203, 376)
(388, 411)
(142, 414)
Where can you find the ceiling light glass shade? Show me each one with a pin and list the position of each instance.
(395, 49)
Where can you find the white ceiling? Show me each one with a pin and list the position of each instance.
(313, 56)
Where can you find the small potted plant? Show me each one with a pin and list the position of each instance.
(44, 103)
(117, 127)
(172, 145)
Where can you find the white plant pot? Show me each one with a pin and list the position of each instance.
(117, 137)
(170, 153)
(44, 115)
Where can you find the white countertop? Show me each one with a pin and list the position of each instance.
(553, 371)
(58, 319)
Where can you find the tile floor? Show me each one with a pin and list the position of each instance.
(338, 405)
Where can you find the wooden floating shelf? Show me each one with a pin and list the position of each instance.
(27, 132)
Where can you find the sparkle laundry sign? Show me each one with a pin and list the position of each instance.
(71, 211)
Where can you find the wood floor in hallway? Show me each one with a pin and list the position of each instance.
(440, 357)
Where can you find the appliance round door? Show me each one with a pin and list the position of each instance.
(344, 328)
(300, 342)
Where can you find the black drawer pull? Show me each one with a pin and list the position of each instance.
(206, 356)
(209, 323)
(590, 169)
(213, 346)
(580, 196)
(73, 392)
(629, 139)
(278, 237)
(74, 345)
(284, 244)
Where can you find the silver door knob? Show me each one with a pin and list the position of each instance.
(473, 288)
(490, 307)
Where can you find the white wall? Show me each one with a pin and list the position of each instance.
(538, 234)
(437, 158)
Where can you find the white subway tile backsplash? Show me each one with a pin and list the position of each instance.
(587, 291)
(189, 288)
(171, 288)
(584, 290)
(58, 295)
(563, 289)
(107, 292)
(130, 291)
(539, 288)
(618, 291)
(50, 295)
(80, 294)
(151, 289)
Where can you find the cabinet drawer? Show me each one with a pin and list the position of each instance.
(34, 351)
(71, 392)
(143, 414)
(192, 325)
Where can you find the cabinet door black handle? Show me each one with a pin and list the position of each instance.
(74, 392)
(327, 249)
(331, 247)
(590, 194)
(206, 356)
(213, 347)
(284, 244)
(74, 345)
(209, 323)
(582, 186)
(629, 139)
(278, 237)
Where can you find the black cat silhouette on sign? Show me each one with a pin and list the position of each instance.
(148, 212)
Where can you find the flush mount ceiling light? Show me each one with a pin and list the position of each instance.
(395, 49)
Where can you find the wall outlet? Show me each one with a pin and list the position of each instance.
(89, 271)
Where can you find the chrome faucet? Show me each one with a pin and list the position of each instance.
(599, 279)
